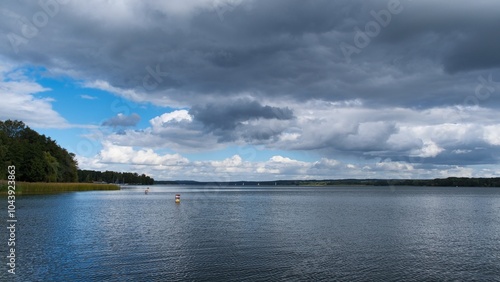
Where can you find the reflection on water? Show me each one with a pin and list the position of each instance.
(260, 233)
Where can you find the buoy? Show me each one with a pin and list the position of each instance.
(146, 191)
(177, 198)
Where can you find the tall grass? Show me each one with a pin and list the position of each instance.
(29, 188)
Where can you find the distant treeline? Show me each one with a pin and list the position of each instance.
(37, 158)
(450, 181)
(114, 177)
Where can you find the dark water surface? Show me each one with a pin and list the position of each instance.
(259, 234)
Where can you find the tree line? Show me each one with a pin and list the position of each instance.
(437, 182)
(114, 177)
(38, 158)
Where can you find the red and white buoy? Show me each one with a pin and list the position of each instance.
(177, 198)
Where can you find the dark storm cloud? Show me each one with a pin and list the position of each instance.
(228, 114)
(472, 56)
(461, 35)
(123, 121)
(224, 117)
(277, 49)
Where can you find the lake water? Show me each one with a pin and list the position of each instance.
(259, 234)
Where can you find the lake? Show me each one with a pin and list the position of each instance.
(258, 234)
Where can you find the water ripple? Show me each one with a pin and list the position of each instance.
(261, 234)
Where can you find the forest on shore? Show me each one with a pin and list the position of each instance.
(38, 158)
(437, 182)
(114, 177)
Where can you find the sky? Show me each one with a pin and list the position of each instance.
(227, 90)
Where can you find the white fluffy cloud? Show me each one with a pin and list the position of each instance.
(176, 116)
(374, 136)
(112, 153)
(334, 130)
(175, 167)
(20, 102)
(492, 134)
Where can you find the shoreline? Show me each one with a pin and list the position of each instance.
(37, 188)
(436, 182)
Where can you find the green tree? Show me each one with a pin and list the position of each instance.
(12, 129)
(52, 167)
(36, 157)
(34, 165)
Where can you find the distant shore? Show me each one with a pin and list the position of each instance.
(33, 188)
(437, 182)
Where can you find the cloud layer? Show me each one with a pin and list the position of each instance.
(178, 53)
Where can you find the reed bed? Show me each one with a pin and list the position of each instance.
(30, 188)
